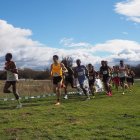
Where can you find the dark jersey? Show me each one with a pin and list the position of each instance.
(81, 73)
(92, 74)
(70, 72)
(105, 71)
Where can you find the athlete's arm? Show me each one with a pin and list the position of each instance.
(64, 68)
(51, 70)
(72, 71)
(86, 71)
(14, 70)
(75, 72)
(110, 69)
(133, 73)
(101, 73)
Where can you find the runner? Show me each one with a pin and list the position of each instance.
(115, 77)
(91, 78)
(68, 76)
(106, 77)
(82, 76)
(130, 78)
(57, 70)
(12, 78)
(122, 75)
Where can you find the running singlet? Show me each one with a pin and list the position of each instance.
(130, 74)
(81, 73)
(105, 71)
(91, 75)
(10, 75)
(56, 70)
(69, 73)
(122, 72)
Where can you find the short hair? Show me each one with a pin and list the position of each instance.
(9, 55)
(89, 64)
(56, 56)
(106, 62)
(78, 60)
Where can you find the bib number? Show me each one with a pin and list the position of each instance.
(55, 74)
(104, 72)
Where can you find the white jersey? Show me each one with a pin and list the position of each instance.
(10, 66)
(12, 76)
(122, 71)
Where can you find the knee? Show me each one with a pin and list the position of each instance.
(58, 89)
(6, 91)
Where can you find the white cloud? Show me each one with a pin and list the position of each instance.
(130, 9)
(117, 49)
(69, 42)
(66, 41)
(26, 51)
(33, 54)
(116, 46)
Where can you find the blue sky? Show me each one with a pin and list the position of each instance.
(58, 24)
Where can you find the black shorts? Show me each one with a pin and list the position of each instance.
(91, 82)
(130, 80)
(106, 79)
(11, 82)
(69, 80)
(122, 79)
(57, 80)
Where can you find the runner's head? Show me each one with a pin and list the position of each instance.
(90, 66)
(78, 62)
(114, 67)
(106, 63)
(102, 62)
(55, 58)
(121, 62)
(8, 56)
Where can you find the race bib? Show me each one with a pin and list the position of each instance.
(105, 72)
(55, 74)
(80, 73)
(122, 74)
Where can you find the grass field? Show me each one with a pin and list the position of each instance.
(102, 118)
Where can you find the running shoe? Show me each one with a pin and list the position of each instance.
(19, 106)
(110, 93)
(58, 103)
(66, 97)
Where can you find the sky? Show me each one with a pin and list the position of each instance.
(90, 30)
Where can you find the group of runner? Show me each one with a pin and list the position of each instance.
(81, 77)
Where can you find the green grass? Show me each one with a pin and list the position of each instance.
(102, 118)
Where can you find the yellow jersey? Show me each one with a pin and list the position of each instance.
(56, 70)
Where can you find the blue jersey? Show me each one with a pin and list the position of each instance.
(81, 73)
